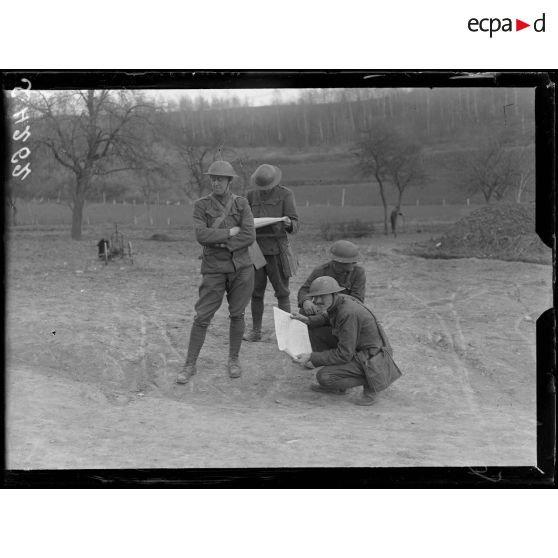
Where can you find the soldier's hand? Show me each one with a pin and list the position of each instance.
(288, 221)
(299, 317)
(234, 231)
(304, 360)
(309, 307)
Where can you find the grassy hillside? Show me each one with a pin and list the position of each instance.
(318, 178)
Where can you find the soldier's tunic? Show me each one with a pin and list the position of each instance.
(226, 264)
(357, 338)
(272, 240)
(354, 284)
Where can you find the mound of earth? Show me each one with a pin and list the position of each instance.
(503, 232)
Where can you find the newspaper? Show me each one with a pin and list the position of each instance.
(264, 221)
(292, 335)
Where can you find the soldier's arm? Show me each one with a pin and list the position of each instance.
(247, 233)
(289, 210)
(206, 235)
(303, 291)
(318, 320)
(346, 347)
(358, 287)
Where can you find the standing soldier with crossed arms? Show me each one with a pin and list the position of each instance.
(269, 199)
(224, 226)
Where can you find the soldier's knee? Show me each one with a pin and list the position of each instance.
(324, 376)
(202, 322)
(237, 318)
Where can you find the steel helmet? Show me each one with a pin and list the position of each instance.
(324, 285)
(344, 251)
(221, 168)
(266, 177)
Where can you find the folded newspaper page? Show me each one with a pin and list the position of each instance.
(292, 335)
(264, 221)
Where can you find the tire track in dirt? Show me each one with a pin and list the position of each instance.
(461, 368)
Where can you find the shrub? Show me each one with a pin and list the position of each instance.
(347, 229)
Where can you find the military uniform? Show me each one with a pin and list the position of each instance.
(357, 337)
(354, 284)
(273, 242)
(226, 268)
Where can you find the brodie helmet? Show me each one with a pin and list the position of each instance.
(221, 168)
(344, 251)
(324, 285)
(266, 177)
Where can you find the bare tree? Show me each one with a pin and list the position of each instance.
(405, 167)
(524, 172)
(490, 169)
(196, 159)
(389, 157)
(92, 133)
(524, 178)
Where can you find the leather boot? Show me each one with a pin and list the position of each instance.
(234, 369)
(257, 316)
(197, 337)
(188, 370)
(331, 391)
(253, 336)
(367, 398)
(236, 330)
(284, 304)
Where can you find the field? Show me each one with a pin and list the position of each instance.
(102, 217)
(93, 351)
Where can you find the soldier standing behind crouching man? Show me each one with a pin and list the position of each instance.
(358, 356)
(349, 276)
(224, 226)
(269, 199)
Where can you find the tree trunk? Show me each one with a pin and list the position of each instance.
(77, 208)
(77, 218)
(384, 202)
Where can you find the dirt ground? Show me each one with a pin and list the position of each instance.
(93, 351)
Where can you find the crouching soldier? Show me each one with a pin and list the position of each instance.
(224, 226)
(349, 276)
(361, 356)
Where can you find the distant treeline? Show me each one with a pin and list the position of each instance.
(310, 138)
(333, 117)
